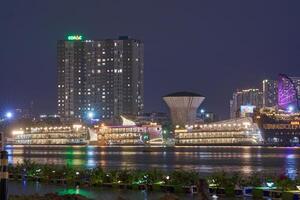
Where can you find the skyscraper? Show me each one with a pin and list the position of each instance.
(102, 77)
(270, 93)
(288, 93)
(245, 99)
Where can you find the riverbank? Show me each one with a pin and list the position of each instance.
(29, 189)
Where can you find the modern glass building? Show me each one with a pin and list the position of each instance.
(288, 93)
(246, 97)
(270, 93)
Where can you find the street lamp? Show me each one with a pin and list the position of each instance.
(290, 109)
(8, 115)
(90, 115)
(270, 184)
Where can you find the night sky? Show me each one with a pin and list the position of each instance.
(209, 47)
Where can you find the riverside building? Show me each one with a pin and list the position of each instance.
(100, 79)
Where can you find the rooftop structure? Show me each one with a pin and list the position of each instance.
(183, 106)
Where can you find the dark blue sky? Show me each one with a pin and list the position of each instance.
(209, 47)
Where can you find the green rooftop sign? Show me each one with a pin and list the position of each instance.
(75, 37)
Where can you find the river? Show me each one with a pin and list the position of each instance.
(204, 159)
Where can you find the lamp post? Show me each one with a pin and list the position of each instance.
(90, 116)
(4, 160)
(3, 175)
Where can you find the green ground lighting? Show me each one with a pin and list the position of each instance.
(74, 191)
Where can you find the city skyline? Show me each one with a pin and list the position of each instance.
(259, 41)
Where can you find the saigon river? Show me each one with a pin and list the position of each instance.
(203, 159)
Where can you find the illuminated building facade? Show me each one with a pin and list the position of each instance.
(104, 77)
(288, 93)
(239, 131)
(129, 134)
(51, 135)
(183, 107)
(248, 97)
(278, 127)
(270, 93)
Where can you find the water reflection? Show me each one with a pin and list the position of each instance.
(291, 164)
(203, 159)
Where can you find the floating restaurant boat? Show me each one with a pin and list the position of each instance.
(129, 133)
(278, 128)
(51, 135)
(241, 131)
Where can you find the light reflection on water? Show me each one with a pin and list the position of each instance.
(203, 159)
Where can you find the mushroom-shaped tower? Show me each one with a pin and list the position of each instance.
(183, 107)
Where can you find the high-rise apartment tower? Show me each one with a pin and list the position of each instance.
(100, 79)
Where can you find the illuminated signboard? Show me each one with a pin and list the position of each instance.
(75, 37)
(281, 126)
(246, 109)
(295, 123)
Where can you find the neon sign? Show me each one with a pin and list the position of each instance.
(75, 37)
